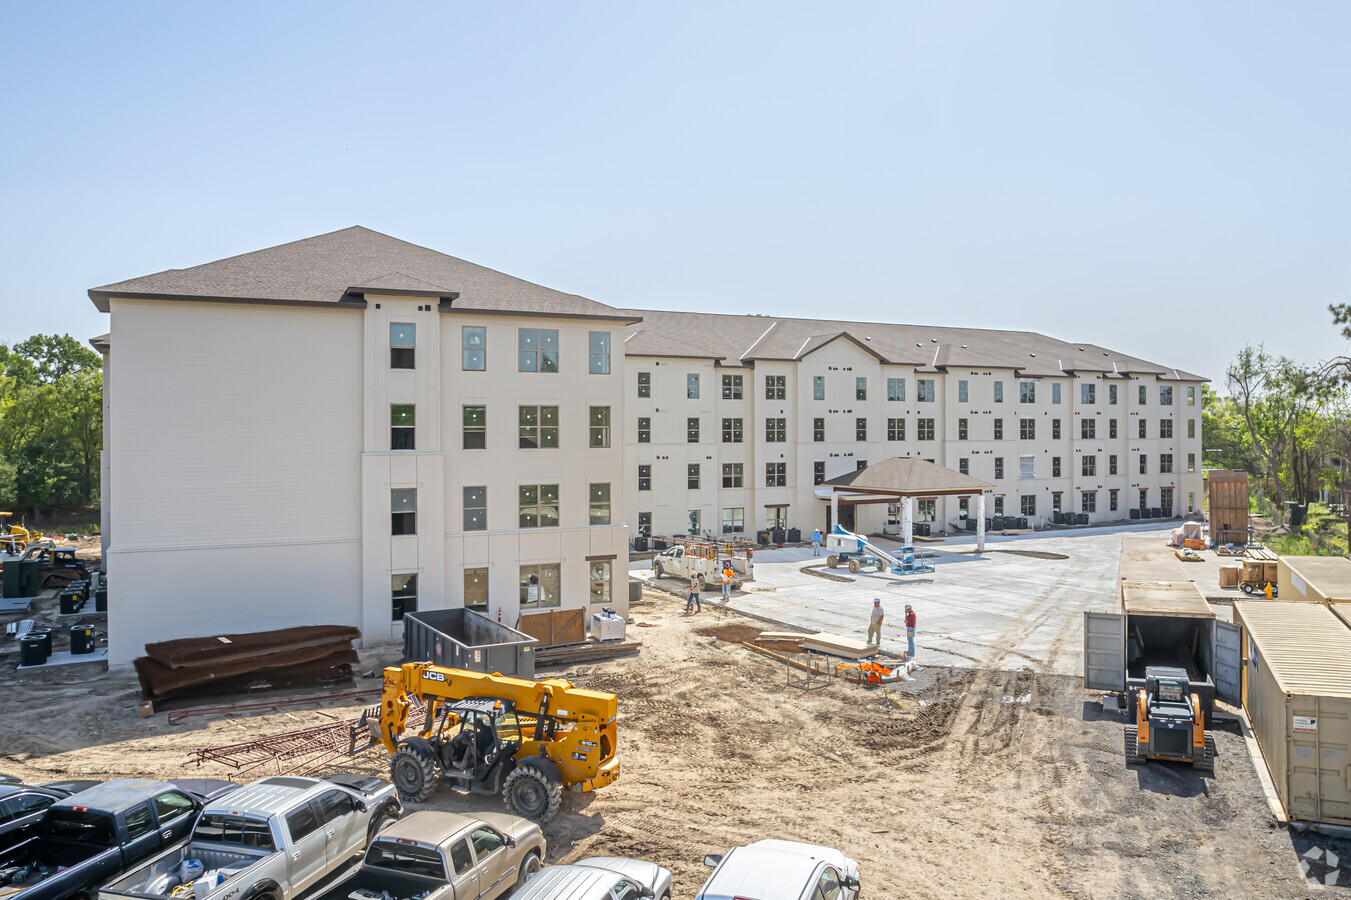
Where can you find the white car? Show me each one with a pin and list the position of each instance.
(781, 870)
(599, 878)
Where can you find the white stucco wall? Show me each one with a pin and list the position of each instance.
(234, 470)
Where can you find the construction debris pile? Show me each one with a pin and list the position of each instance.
(241, 662)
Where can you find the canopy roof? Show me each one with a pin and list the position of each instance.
(908, 477)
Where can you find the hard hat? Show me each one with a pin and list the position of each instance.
(908, 606)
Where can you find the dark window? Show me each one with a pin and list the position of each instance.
(925, 390)
(460, 857)
(1111, 464)
(860, 429)
(223, 829)
(401, 426)
(818, 472)
(692, 386)
(140, 821)
(1088, 428)
(537, 349)
(301, 822)
(731, 475)
(1144, 464)
(999, 392)
(645, 524)
(644, 430)
(692, 430)
(731, 387)
(776, 387)
(1089, 465)
(538, 505)
(409, 859)
(474, 348)
(963, 428)
(1165, 463)
(776, 474)
(1088, 393)
(335, 805)
(999, 467)
(895, 429)
(644, 384)
(1165, 396)
(599, 362)
(860, 388)
(1111, 428)
(600, 503)
(731, 431)
(21, 805)
(998, 429)
(1088, 502)
(1055, 429)
(171, 806)
(402, 596)
(1111, 400)
(644, 478)
(476, 508)
(486, 842)
(1027, 429)
(476, 588)
(403, 511)
(896, 389)
(402, 341)
(925, 429)
(1055, 467)
(538, 427)
(1165, 429)
(1027, 392)
(964, 466)
(475, 427)
(818, 430)
(692, 476)
(775, 431)
(599, 427)
(1111, 497)
(1142, 429)
(1029, 505)
(1144, 492)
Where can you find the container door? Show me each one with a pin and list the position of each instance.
(1228, 644)
(1104, 651)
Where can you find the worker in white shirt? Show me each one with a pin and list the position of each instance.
(875, 623)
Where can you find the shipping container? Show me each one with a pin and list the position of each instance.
(1162, 623)
(464, 639)
(1297, 693)
(1315, 579)
(1227, 505)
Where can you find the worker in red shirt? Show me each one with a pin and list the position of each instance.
(910, 628)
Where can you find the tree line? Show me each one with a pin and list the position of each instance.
(1286, 423)
(51, 425)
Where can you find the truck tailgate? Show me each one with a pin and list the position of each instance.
(162, 874)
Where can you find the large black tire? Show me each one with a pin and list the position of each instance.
(529, 868)
(266, 889)
(657, 570)
(414, 773)
(832, 561)
(1247, 588)
(1133, 757)
(531, 794)
(854, 566)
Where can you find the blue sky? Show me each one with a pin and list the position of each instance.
(1169, 180)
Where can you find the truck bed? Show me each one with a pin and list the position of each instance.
(148, 881)
(39, 858)
(400, 885)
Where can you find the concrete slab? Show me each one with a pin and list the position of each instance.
(999, 609)
(1146, 558)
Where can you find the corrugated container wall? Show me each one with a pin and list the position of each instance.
(1313, 579)
(1297, 693)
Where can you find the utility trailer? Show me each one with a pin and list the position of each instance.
(1162, 623)
(857, 553)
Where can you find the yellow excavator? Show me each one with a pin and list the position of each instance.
(15, 538)
(489, 734)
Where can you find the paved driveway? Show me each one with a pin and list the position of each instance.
(1000, 609)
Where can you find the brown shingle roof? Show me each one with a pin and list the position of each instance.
(737, 340)
(322, 269)
(910, 476)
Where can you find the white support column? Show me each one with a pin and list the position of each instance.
(907, 521)
(834, 510)
(980, 523)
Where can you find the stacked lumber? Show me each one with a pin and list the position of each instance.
(288, 656)
(821, 642)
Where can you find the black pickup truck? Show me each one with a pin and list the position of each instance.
(86, 839)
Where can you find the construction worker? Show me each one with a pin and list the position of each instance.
(875, 623)
(692, 602)
(816, 542)
(910, 630)
(727, 575)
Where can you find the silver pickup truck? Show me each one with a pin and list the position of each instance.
(271, 840)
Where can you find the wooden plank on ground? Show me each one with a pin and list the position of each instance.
(837, 645)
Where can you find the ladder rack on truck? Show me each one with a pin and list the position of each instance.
(855, 551)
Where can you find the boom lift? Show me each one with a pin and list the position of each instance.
(489, 734)
(1168, 722)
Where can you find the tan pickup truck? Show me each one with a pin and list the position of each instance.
(435, 855)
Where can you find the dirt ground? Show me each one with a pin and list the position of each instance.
(980, 783)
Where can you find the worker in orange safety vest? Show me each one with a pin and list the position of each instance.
(727, 576)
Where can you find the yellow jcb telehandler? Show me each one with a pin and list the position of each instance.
(489, 734)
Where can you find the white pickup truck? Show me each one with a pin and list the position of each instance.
(679, 562)
(271, 840)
